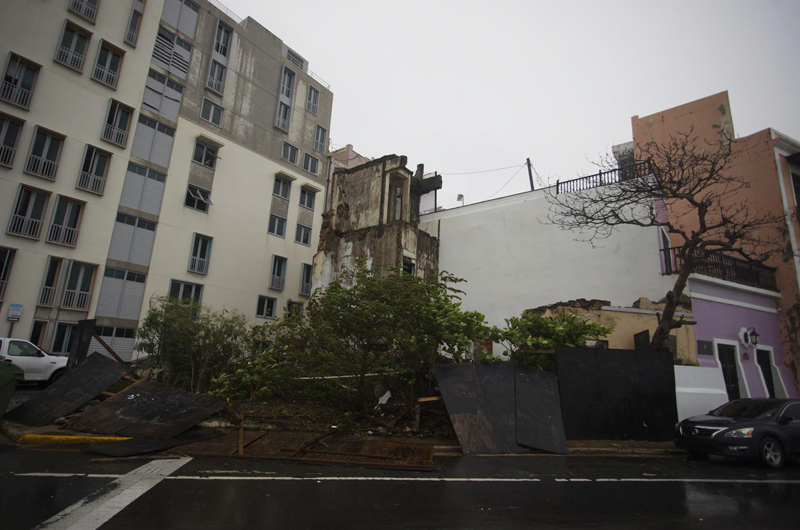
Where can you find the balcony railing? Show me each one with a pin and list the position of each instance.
(131, 36)
(277, 282)
(115, 135)
(725, 267)
(3, 284)
(604, 178)
(84, 9)
(199, 265)
(283, 124)
(70, 58)
(63, 234)
(42, 167)
(216, 85)
(15, 94)
(90, 182)
(7, 155)
(25, 226)
(76, 299)
(47, 296)
(104, 75)
(305, 289)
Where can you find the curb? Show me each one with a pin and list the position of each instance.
(47, 439)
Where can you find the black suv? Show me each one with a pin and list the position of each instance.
(768, 429)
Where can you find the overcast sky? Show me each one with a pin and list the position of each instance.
(466, 86)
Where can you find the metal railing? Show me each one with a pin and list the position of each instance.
(76, 299)
(115, 135)
(70, 58)
(47, 296)
(227, 11)
(724, 267)
(283, 124)
(84, 9)
(318, 79)
(277, 282)
(604, 178)
(63, 234)
(3, 284)
(7, 155)
(25, 226)
(305, 289)
(42, 167)
(15, 94)
(91, 182)
(104, 75)
(131, 36)
(216, 85)
(198, 265)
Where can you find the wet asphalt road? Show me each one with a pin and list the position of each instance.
(467, 492)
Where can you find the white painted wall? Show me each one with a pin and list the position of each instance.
(698, 390)
(513, 260)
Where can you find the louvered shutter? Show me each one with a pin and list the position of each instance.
(130, 303)
(141, 246)
(151, 196)
(121, 241)
(94, 346)
(153, 94)
(162, 148)
(171, 12)
(187, 21)
(143, 140)
(132, 190)
(179, 65)
(123, 347)
(171, 104)
(162, 52)
(110, 294)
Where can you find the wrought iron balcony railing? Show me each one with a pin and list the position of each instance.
(725, 267)
(604, 178)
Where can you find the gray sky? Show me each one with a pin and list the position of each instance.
(465, 86)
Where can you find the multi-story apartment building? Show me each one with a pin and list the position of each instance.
(153, 147)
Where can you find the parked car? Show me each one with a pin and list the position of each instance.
(765, 429)
(37, 365)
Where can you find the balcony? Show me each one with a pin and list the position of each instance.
(47, 296)
(90, 182)
(41, 167)
(85, 9)
(115, 135)
(725, 267)
(70, 58)
(604, 178)
(198, 265)
(7, 155)
(131, 36)
(105, 76)
(63, 235)
(216, 85)
(74, 299)
(25, 226)
(15, 94)
(276, 282)
(3, 284)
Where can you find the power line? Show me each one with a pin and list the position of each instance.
(506, 184)
(476, 172)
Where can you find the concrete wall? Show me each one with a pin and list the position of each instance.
(698, 390)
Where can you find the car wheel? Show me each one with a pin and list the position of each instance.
(772, 453)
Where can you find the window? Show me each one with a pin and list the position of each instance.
(796, 186)
(212, 113)
(17, 348)
(278, 273)
(78, 291)
(320, 138)
(72, 46)
(134, 22)
(197, 198)
(94, 170)
(109, 62)
(153, 141)
(181, 14)
(10, 129)
(45, 153)
(284, 116)
(266, 307)
(303, 235)
(64, 337)
(118, 123)
(19, 80)
(66, 222)
(289, 153)
(185, 291)
(38, 332)
(201, 254)
(312, 100)
(28, 214)
(162, 95)
(311, 164)
(51, 277)
(216, 78)
(223, 39)
(287, 83)
(408, 266)
(307, 198)
(281, 188)
(277, 226)
(205, 154)
(6, 260)
(294, 308)
(85, 8)
(305, 279)
(172, 53)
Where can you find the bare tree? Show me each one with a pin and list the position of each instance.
(691, 189)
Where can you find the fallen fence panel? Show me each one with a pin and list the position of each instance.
(538, 406)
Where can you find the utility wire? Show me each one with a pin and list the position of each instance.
(476, 172)
(506, 184)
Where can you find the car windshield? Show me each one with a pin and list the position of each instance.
(748, 409)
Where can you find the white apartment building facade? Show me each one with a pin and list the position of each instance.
(150, 148)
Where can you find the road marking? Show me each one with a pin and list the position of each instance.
(357, 479)
(96, 509)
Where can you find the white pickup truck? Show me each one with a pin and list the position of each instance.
(37, 365)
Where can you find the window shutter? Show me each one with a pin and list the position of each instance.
(171, 104)
(132, 190)
(121, 241)
(180, 61)
(130, 303)
(151, 196)
(171, 12)
(162, 149)
(162, 52)
(94, 346)
(123, 347)
(153, 93)
(110, 294)
(187, 21)
(143, 141)
(141, 246)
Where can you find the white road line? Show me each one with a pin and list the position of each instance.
(94, 510)
(357, 479)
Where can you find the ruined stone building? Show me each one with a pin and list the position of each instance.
(373, 214)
